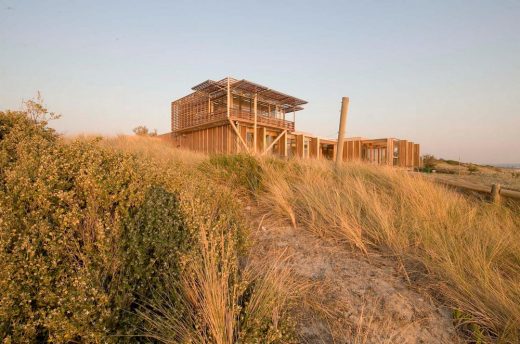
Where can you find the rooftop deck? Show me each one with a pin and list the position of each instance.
(208, 105)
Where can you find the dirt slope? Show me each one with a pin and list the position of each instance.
(352, 298)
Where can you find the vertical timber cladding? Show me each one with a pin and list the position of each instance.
(403, 145)
(409, 154)
(314, 149)
(299, 146)
(217, 139)
(416, 155)
(352, 150)
(260, 140)
(389, 152)
(242, 129)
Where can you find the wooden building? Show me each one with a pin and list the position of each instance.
(235, 116)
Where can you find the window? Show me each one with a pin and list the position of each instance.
(249, 139)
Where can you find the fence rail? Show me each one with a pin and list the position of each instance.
(495, 191)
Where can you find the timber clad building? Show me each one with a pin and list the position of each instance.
(232, 116)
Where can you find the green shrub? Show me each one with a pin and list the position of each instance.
(241, 170)
(472, 168)
(429, 161)
(89, 236)
(84, 235)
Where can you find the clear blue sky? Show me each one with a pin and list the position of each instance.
(445, 74)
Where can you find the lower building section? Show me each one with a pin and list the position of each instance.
(239, 137)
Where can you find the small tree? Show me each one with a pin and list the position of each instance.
(35, 110)
(144, 131)
(429, 161)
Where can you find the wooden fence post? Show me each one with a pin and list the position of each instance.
(495, 193)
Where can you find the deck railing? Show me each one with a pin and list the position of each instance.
(262, 120)
(216, 116)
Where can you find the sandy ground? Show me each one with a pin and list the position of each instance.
(351, 298)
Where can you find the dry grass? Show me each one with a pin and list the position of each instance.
(149, 147)
(468, 253)
(219, 310)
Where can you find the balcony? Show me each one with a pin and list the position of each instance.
(262, 120)
(207, 119)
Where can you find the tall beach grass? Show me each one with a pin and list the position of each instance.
(465, 252)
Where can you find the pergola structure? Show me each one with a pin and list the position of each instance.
(231, 116)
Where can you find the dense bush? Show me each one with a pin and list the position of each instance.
(85, 233)
(429, 161)
(94, 240)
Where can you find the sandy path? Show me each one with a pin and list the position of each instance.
(352, 298)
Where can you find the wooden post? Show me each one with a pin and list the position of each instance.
(261, 143)
(255, 122)
(228, 98)
(389, 152)
(283, 145)
(342, 126)
(495, 193)
(239, 137)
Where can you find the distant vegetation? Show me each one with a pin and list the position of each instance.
(483, 175)
(144, 131)
(429, 162)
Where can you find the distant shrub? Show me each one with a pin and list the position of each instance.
(472, 168)
(446, 171)
(429, 161)
(144, 131)
(452, 162)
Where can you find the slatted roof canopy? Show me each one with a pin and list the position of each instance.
(289, 103)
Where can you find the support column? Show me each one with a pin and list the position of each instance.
(402, 152)
(409, 155)
(255, 109)
(389, 152)
(228, 98)
(314, 148)
(261, 142)
(299, 145)
(417, 155)
(283, 145)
